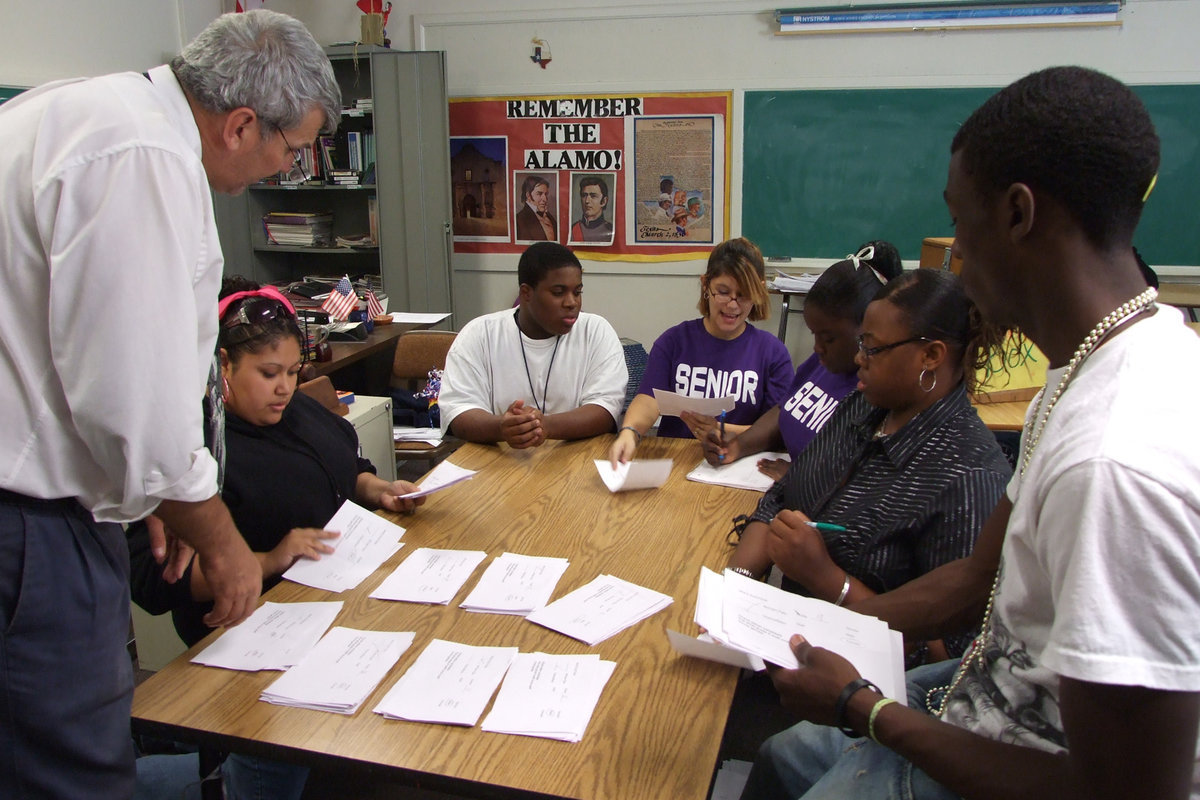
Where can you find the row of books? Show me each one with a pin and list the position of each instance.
(315, 229)
(347, 159)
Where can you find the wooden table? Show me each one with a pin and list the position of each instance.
(658, 725)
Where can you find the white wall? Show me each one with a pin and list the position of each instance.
(602, 45)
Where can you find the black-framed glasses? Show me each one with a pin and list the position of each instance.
(297, 172)
(255, 311)
(883, 348)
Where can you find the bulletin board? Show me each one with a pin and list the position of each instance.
(824, 170)
(522, 170)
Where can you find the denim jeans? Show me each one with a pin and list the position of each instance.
(177, 777)
(817, 762)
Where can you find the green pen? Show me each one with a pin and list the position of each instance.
(826, 526)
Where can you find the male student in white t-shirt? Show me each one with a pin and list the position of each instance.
(544, 370)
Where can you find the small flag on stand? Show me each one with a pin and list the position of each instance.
(341, 301)
(374, 307)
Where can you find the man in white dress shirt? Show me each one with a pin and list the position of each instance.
(111, 265)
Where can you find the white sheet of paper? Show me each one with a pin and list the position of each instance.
(366, 541)
(760, 619)
(275, 636)
(705, 647)
(740, 474)
(670, 404)
(648, 474)
(449, 683)
(516, 584)
(419, 318)
(442, 476)
(429, 576)
(600, 609)
(340, 672)
(551, 696)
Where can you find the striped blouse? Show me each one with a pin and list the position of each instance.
(911, 501)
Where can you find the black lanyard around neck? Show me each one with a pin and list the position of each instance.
(528, 376)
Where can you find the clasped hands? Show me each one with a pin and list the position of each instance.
(522, 427)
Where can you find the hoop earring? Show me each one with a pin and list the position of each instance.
(225, 390)
(921, 381)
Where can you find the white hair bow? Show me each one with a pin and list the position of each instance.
(866, 254)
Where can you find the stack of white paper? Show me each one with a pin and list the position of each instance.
(516, 584)
(647, 474)
(793, 283)
(403, 433)
(549, 696)
(366, 541)
(602, 608)
(759, 619)
(449, 683)
(275, 636)
(429, 576)
(340, 672)
(442, 476)
(740, 474)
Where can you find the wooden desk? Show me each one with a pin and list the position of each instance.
(658, 725)
(373, 358)
(1002, 416)
(1183, 295)
(785, 309)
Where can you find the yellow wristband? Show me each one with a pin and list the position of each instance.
(874, 713)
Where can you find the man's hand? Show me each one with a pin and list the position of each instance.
(235, 577)
(232, 572)
(812, 690)
(168, 549)
(522, 427)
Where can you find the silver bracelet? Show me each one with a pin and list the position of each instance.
(636, 432)
(845, 591)
(746, 572)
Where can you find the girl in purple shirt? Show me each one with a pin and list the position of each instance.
(833, 312)
(717, 355)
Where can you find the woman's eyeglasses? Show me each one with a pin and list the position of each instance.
(883, 348)
(723, 296)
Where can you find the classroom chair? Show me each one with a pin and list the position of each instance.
(417, 352)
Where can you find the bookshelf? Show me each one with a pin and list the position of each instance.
(411, 188)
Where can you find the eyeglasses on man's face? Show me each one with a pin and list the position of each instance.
(297, 172)
(883, 348)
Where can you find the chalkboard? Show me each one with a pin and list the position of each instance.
(824, 170)
(9, 91)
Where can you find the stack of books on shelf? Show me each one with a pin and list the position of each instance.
(361, 107)
(299, 228)
(344, 177)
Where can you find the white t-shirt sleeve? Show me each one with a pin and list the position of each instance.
(607, 376)
(467, 379)
(1122, 556)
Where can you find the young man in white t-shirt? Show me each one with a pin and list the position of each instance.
(1085, 682)
(544, 370)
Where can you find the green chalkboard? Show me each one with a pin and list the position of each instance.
(9, 91)
(824, 170)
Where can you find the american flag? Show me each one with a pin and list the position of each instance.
(374, 307)
(341, 301)
(248, 5)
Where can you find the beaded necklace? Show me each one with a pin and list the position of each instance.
(1032, 435)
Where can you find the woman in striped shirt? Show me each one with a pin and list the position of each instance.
(904, 471)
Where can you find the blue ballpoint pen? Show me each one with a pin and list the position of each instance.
(825, 526)
(721, 421)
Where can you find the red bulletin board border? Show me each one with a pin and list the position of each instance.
(488, 117)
